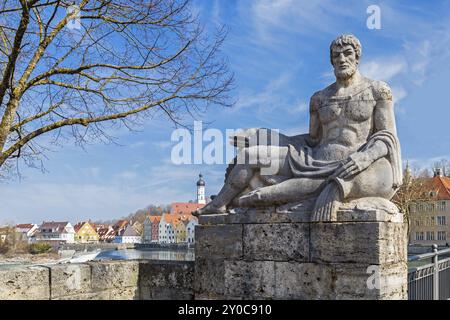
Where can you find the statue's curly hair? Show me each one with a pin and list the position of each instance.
(346, 39)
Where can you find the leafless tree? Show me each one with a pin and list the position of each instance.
(443, 165)
(82, 71)
(415, 189)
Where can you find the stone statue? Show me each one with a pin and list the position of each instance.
(350, 152)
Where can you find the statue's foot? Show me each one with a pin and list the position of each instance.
(327, 204)
(210, 208)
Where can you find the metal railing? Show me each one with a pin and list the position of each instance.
(430, 281)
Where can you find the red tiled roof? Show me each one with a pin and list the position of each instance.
(154, 219)
(441, 185)
(78, 226)
(25, 226)
(185, 207)
(120, 224)
(59, 226)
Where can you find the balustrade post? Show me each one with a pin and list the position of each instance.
(436, 273)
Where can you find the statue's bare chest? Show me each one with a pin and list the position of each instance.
(347, 109)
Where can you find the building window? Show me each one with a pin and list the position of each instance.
(430, 235)
(441, 221)
(441, 235)
(441, 206)
(417, 223)
(432, 221)
(419, 235)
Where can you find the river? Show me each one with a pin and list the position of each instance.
(152, 254)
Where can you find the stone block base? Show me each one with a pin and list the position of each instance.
(265, 254)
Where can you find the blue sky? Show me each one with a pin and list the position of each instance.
(279, 52)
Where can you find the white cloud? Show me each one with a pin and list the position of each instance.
(384, 68)
(398, 93)
(126, 175)
(163, 144)
(137, 144)
(300, 107)
(270, 95)
(269, 17)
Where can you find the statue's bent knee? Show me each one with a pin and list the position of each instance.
(375, 181)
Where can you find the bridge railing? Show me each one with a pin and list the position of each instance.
(430, 281)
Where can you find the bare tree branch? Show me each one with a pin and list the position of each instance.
(74, 74)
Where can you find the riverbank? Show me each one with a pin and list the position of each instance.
(28, 258)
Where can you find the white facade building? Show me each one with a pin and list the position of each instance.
(56, 231)
(190, 230)
(130, 235)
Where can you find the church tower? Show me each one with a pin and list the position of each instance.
(201, 190)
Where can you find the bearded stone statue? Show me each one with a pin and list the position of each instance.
(351, 151)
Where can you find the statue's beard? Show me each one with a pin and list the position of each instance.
(346, 73)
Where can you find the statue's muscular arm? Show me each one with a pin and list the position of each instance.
(383, 119)
(315, 127)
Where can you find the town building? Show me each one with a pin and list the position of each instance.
(147, 232)
(128, 235)
(151, 229)
(179, 230)
(430, 220)
(119, 228)
(27, 231)
(85, 233)
(190, 229)
(155, 228)
(131, 235)
(105, 233)
(60, 232)
(166, 228)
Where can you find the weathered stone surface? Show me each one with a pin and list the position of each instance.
(278, 242)
(370, 282)
(209, 278)
(370, 204)
(212, 219)
(253, 216)
(304, 281)
(250, 280)
(122, 280)
(166, 274)
(218, 241)
(114, 274)
(368, 216)
(359, 242)
(72, 279)
(102, 295)
(148, 293)
(124, 293)
(25, 283)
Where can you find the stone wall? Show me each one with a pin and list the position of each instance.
(252, 255)
(264, 254)
(143, 280)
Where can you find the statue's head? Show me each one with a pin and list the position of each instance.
(345, 52)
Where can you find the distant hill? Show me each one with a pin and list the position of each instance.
(140, 214)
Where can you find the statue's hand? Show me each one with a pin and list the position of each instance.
(355, 164)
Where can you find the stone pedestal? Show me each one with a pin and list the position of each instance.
(273, 254)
